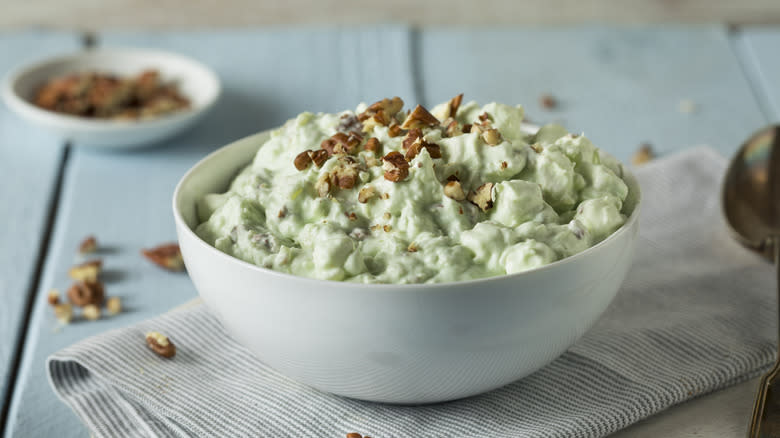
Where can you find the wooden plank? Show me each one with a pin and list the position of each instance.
(124, 198)
(621, 87)
(29, 164)
(760, 55)
(188, 14)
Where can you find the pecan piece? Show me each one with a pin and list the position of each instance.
(64, 313)
(412, 136)
(160, 344)
(395, 130)
(166, 256)
(491, 136)
(319, 157)
(643, 154)
(88, 245)
(395, 166)
(548, 101)
(323, 185)
(346, 173)
(53, 297)
(366, 193)
(420, 118)
(451, 128)
(83, 293)
(341, 143)
(303, 160)
(454, 190)
(114, 305)
(87, 271)
(482, 197)
(388, 106)
(373, 145)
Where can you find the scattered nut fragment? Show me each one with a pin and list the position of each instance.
(114, 305)
(160, 344)
(687, 106)
(319, 157)
(454, 190)
(302, 160)
(547, 101)
(351, 216)
(88, 245)
(91, 312)
(412, 247)
(167, 256)
(380, 113)
(83, 293)
(345, 175)
(387, 228)
(643, 154)
(395, 166)
(356, 435)
(483, 196)
(64, 313)
(452, 129)
(341, 143)
(53, 297)
(504, 165)
(419, 118)
(537, 148)
(373, 145)
(366, 193)
(87, 271)
(349, 122)
(466, 128)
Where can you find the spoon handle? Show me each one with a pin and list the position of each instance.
(765, 421)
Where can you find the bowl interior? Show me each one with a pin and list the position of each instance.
(195, 80)
(214, 173)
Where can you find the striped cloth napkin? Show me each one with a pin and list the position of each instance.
(694, 315)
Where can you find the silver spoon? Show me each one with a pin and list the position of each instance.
(751, 203)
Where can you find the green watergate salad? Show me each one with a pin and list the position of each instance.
(383, 195)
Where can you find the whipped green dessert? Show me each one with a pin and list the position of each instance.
(383, 195)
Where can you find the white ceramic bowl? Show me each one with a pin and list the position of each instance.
(195, 80)
(397, 343)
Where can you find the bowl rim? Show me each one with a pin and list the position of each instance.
(182, 224)
(24, 106)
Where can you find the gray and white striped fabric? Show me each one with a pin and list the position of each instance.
(694, 315)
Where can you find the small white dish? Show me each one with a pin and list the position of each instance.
(196, 81)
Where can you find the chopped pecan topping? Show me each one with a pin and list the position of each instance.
(387, 216)
(166, 256)
(454, 190)
(87, 271)
(88, 245)
(412, 136)
(387, 228)
(373, 145)
(466, 128)
(341, 143)
(484, 117)
(491, 136)
(82, 293)
(454, 104)
(453, 177)
(349, 122)
(412, 247)
(380, 113)
(160, 344)
(415, 148)
(395, 166)
(537, 148)
(385, 196)
(346, 173)
(302, 160)
(451, 128)
(483, 196)
(282, 212)
(419, 118)
(395, 130)
(319, 157)
(351, 216)
(323, 185)
(504, 165)
(366, 193)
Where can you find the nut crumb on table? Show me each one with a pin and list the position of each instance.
(167, 256)
(160, 344)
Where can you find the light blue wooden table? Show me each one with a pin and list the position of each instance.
(621, 86)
